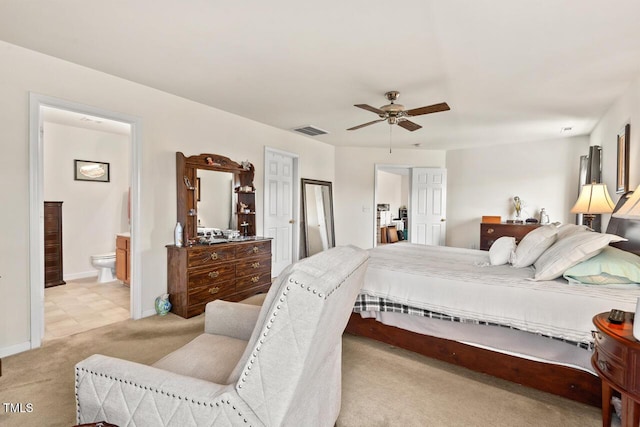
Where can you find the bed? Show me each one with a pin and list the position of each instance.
(452, 304)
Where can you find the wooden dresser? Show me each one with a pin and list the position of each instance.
(490, 232)
(616, 359)
(231, 271)
(53, 244)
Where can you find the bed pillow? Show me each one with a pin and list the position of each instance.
(533, 245)
(611, 266)
(570, 251)
(566, 230)
(501, 251)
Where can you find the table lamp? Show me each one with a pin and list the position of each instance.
(594, 199)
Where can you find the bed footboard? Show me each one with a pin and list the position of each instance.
(560, 380)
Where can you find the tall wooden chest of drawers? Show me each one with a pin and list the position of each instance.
(53, 244)
(490, 232)
(230, 271)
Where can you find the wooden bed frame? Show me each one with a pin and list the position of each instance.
(563, 381)
(571, 383)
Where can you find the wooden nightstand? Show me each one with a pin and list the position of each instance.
(490, 232)
(616, 359)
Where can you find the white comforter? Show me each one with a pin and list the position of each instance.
(460, 282)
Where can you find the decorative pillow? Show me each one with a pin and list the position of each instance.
(570, 251)
(567, 230)
(611, 266)
(502, 250)
(533, 245)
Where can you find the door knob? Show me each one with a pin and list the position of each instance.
(443, 219)
(291, 221)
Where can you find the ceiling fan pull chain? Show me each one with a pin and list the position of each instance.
(390, 130)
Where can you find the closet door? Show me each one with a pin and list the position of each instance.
(53, 244)
(427, 221)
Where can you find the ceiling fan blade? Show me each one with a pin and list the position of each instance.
(366, 124)
(409, 125)
(435, 108)
(370, 108)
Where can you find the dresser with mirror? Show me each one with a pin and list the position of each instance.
(222, 258)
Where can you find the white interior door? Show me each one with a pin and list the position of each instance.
(427, 220)
(280, 176)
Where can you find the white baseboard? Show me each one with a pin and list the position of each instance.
(82, 275)
(15, 349)
(149, 313)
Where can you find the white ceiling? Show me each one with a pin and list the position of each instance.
(511, 70)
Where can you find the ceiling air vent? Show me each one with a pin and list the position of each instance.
(310, 130)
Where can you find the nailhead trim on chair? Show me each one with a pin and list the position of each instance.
(162, 392)
(254, 355)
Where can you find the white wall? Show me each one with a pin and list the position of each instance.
(354, 187)
(483, 181)
(92, 212)
(169, 124)
(625, 110)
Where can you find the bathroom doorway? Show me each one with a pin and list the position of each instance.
(69, 132)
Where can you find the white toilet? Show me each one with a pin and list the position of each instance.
(106, 265)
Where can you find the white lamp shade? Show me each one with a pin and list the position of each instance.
(593, 199)
(631, 208)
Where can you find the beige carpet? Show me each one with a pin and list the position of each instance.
(382, 385)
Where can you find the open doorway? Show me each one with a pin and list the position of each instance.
(392, 194)
(52, 177)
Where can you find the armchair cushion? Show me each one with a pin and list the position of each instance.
(235, 320)
(196, 359)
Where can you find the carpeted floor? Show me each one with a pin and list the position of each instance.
(382, 385)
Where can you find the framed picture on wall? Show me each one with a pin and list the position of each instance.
(622, 175)
(87, 170)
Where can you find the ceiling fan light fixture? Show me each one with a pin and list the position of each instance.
(396, 113)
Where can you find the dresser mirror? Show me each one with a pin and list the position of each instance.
(214, 192)
(317, 214)
(215, 200)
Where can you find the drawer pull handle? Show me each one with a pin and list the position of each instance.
(603, 365)
(214, 290)
(256, 249)
(214, 274)
(255, 265)
(490, 230)
(255, 279)
(213, 255)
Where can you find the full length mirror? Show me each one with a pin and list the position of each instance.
(317, 214)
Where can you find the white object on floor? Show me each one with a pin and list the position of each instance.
(106, 265)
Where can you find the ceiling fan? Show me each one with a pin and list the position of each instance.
(396, 114)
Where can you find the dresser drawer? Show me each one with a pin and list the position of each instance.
(609, 366)
(253, 266)
(204, 294)
(209, 255)
(212, 275)
(254, 249)
(610, 346)
(253, 280)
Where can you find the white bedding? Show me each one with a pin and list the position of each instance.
(459, 282)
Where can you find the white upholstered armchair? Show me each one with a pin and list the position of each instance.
(275, 365)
